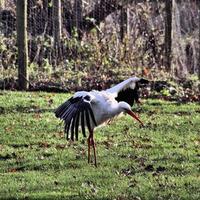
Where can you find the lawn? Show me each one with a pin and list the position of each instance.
(159, 161)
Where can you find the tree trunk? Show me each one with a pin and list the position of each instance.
(168, 33)
(22, 44)
(77, 17)
(124, 23)
(57, 33)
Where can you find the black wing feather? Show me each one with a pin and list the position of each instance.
(88, 120)
(61, 109)
(68, 126)
(67, 113)
(83, 123)
(76, 125)
(65, 128)
(74, 111)
(129, 95)
(72, 129)
(92, 115)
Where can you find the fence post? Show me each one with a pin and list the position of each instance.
(168, 33)
(57, 22)
(22, 44)
(124, 23)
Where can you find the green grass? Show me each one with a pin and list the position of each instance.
(160, 161)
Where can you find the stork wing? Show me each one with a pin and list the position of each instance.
(77, 110)
(129, 83)
(127, 90)
(129, 95)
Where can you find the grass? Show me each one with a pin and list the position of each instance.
(160, 161)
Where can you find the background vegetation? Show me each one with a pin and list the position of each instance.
(101, 42)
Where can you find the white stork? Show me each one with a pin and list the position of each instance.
(96, 107)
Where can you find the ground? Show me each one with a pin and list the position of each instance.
(159, 161)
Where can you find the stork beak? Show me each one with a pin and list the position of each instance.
(132, 114)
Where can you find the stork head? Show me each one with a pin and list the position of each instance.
(126, 108)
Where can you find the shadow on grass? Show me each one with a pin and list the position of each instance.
(24, 109)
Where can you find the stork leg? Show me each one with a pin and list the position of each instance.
(88, 140)
(92, 143)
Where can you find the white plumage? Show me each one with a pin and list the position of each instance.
(96, 107)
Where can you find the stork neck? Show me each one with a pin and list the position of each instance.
(116, 110)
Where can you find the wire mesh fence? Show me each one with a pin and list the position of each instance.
(74, 40)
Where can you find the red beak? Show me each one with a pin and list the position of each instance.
(132, 114)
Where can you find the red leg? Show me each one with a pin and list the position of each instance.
(88, 140)
(95, 158)
(92, 143)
